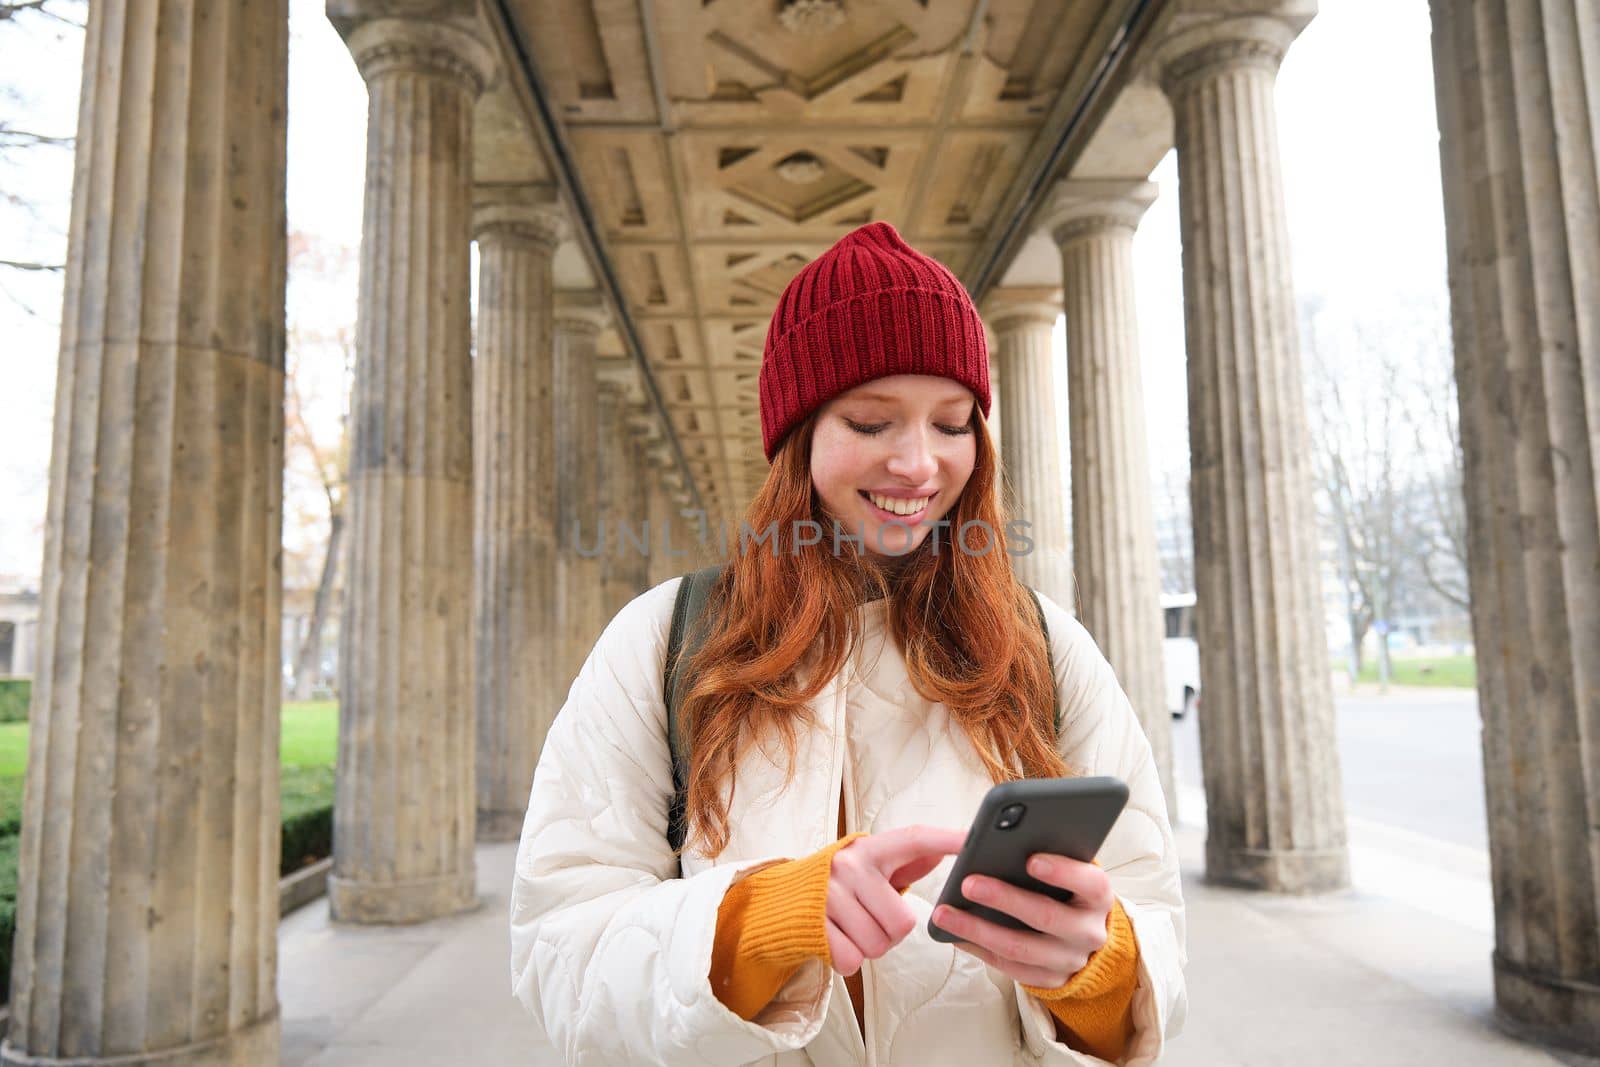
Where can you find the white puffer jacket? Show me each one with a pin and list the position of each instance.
(611, 950)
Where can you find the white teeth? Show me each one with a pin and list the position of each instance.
(899, 507)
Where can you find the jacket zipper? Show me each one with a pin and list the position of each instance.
(868, 970)
(846, 789)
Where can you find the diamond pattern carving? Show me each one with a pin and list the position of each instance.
(720, 151)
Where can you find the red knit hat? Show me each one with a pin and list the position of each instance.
(868, 307)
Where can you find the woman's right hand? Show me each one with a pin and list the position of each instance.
(866, 914)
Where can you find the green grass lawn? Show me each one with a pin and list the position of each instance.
(310, 734)
(1455, 671)
(13, 749)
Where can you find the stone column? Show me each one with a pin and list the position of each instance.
(514, 625)
(1113, 524)
(660, 565)
(993, 344)
(1517, 90)
(1031, 446)
(636, 514)
(580, 316)
(614, 486)
(403, 815)
(147, 870)
(644, 479)
(1275, 808)
(672, 549)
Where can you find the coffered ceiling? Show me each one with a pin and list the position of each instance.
(721, 144)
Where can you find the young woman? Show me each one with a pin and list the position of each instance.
(852, 703)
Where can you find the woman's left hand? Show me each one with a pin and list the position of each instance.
(1068, 934)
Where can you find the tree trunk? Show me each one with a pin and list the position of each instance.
(1385, 670)
(308, 664)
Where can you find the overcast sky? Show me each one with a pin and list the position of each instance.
(1360, 165)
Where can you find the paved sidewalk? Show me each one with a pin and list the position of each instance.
(1395, 972)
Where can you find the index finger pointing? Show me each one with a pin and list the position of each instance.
(899, 847)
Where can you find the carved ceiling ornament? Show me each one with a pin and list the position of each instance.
(811, 18)
(791, 122)
(802, 168)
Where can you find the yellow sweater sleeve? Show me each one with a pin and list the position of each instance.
(768, 924)
(1095, 1007)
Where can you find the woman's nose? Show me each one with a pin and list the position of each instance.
(913, 459)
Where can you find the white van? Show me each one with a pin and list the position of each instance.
(1180, 654)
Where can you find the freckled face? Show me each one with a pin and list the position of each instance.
(893, 450)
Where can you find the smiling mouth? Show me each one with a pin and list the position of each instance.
(886, 515)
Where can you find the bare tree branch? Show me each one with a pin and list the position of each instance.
(19, 302)
(10, 9)
(327, 455)
(13, 138)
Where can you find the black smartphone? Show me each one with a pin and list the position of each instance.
(1061, 816)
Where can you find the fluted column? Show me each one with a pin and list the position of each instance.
(403, 815)
(1275, 808)
(1030, 448)
(514, 624)
(644, 477)
(1113, 526)
(635, 560)
(614, 489)
(622, 493)
(1517, 92)
(579, 601)
(657, 565)
(672, 541)
(147, 906)
(992, 343)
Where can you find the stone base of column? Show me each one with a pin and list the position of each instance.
(500, 825)
(401, 902)
(1557, 1012)
(249, 1046)
(1278, 870)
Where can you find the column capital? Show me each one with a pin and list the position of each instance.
(623, 372)
(581, 311)
(643, 423)
(1206, 43)
(1089, 206)
(527, 212)
(436, 47)
(1020, 306)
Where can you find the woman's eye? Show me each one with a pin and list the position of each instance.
(955, 431)
(868, 430)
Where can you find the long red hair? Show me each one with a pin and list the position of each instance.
(967, 628)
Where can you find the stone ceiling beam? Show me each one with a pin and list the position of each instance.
(552, 141)
(1062, 136)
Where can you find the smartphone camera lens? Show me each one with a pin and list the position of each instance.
(1010, 816)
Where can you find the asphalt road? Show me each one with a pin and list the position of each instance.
(1411, 761)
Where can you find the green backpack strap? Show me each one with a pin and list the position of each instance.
(1044, 628)
(683, 641)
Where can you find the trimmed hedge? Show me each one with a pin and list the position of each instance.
(8, 911)
(10, 807)
(14, 696)
(307, 815)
